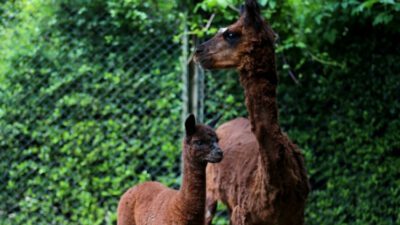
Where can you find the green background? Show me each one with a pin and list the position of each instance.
(91, 102)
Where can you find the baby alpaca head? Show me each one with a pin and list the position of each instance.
(201, 142)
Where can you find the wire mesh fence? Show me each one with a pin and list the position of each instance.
(89, 106)
(223, 95)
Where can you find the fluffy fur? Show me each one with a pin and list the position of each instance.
(152, 203)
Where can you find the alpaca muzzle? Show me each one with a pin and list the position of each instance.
(216, 155)
(203, 57)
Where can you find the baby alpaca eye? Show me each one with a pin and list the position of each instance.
(199, 143)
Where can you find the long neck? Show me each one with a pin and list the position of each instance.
(259, 81)
(192, 193)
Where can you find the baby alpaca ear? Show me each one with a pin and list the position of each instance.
(190, 125)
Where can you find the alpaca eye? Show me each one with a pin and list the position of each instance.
(199, 143)
(231, 37)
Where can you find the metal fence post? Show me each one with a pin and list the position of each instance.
(193, 81)
(198, 91)
(186, 98)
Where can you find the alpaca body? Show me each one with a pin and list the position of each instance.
(141, 199)
(151, 203)
(240, 181)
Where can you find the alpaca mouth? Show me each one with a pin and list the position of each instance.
(215, 157)
(204, 61)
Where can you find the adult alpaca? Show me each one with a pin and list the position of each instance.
(263, 178)
(151, 203)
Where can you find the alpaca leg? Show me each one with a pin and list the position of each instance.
(238, 216)
(211, 206)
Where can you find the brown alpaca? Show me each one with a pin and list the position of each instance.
(263, 178)
(152, 203)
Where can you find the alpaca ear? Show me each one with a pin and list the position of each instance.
(214, 121)
(252, 14)
(190, 125)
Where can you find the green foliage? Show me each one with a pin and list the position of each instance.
(348, 121)
(90, 103)
(76, 125)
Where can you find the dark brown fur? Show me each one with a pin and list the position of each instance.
(263, 178)
(152, 203)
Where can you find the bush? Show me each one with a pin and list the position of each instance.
(90, 103)
(82, 92)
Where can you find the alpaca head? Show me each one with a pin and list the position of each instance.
(240, 43)
(201, 143)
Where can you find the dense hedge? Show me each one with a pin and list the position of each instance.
(90, 103)
(345, 115)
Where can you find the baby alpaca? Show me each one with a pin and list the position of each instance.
(151, 203)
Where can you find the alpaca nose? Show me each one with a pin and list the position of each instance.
(218, 151)
(200, 49)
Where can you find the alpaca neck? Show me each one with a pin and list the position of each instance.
(193, 190)
(259, 84)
